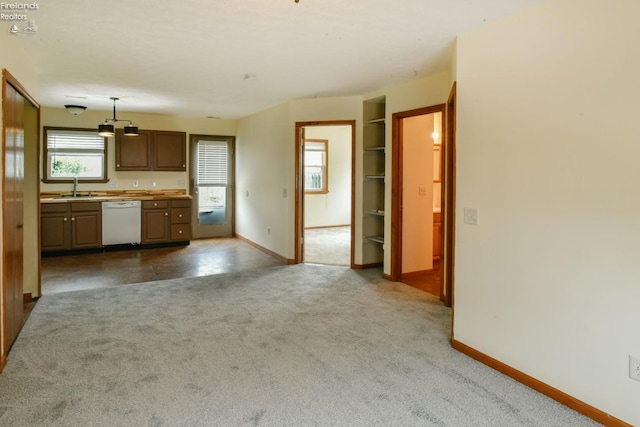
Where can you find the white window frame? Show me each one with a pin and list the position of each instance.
(322, 146)
(73, 141)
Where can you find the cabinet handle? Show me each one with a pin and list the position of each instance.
(65, 219)
(73, 218)
(179, 231)
(180, 216)
(118, 165)
(155, 205)
(166, 214)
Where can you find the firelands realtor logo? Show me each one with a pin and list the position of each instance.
(18, 14)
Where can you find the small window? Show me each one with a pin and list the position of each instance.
(315, 166)
(70, 153)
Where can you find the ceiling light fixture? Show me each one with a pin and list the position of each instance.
(75, 109)
(106, 128)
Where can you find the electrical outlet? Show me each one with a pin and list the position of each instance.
(634, 368)
(269, 230)
(154, 184)
(135, 184)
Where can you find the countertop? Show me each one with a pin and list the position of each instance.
(110, 196)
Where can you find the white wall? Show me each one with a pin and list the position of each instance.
(332, 208)
(547, 150)
(264, 179)
(265, 155)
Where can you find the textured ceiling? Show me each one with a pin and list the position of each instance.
(191, 57)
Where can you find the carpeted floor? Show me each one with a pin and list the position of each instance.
(328, 245)
(301, 345)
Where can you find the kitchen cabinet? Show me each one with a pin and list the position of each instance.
(180, 220)
(151, 150)
(155, 221)
(68, 226)
(166, 221)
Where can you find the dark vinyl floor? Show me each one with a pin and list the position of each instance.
(200, 258)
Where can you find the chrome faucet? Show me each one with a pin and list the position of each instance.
(75, 186)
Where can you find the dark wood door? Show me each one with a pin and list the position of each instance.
(13, 192)
(170, 151)
(134, 153)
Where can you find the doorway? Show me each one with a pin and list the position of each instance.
(416, 249)
(212, 180)
(324, 192)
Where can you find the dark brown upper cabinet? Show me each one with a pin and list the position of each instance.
(151, 150)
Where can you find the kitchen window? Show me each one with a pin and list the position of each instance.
(71, 152)
(316, 153)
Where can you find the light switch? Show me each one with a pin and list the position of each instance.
(422, 191)
(471, 216)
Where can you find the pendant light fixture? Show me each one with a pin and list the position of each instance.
(107, 129)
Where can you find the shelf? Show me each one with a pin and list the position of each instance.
(376, 121)
(375, 176)
(374, 149)
(377, 239)
(377, 212)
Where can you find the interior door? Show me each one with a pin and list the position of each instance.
(13, 217)
(212, 183)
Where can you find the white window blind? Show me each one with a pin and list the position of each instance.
(212, 163)
(73, 141)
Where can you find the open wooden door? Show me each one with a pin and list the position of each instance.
(13, 216)
(20, 232)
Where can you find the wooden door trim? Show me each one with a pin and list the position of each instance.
(397, 182)
(448, 199)
(299, 187)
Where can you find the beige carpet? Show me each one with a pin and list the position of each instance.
(329, 246)
(301, 345)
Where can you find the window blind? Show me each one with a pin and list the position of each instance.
(212, 163)
(74, 141)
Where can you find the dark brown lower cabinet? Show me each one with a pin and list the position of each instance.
(155, 221)
(180, 220)
(66, 226)
(166, 221)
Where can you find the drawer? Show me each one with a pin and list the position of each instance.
(181, 203)
(85, 207)
(53, 207)
(180, 232)
(155, 204)
(180, 215)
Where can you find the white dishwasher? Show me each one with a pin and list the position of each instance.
(121, 222)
